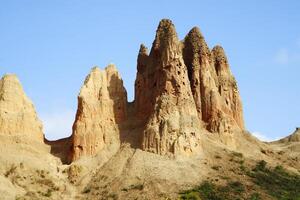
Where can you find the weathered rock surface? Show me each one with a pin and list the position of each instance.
(164, 99)
(17, 113)
(182, 89)
(101, 108)
(214, 88)
(179, 82)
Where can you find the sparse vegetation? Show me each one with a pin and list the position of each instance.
(73, 172)
(237, 154)
(134, 187)
(216, 167)
(277, 182)
(210, 191)
(86, 190)
(12, 169)
(48, 193)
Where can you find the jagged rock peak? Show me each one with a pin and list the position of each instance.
(196, 42)
(17, 113)
(142, 58)
(166, 45)
(101, 108)
(165, 31)
(220, 57)
(143, 50)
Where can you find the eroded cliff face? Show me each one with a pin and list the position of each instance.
(101, 109)
(17, 113)
(164, 98)
(214, 88)
(182, 90)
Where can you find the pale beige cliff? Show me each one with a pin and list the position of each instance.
(17, 113)
(101, 108)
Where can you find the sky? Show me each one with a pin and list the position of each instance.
(51, 45)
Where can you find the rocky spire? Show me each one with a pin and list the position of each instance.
(17, 113)
(227, 86)
(101, 109)
(196, 56)
(213, 86)
(170, 122)
(166, 45)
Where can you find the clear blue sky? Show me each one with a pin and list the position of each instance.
(51, 46)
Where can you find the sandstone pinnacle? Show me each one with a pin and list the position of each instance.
(164, 99)
(182, 89)
(101, 107)
(17, 113)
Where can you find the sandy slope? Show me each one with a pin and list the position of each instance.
(29, 171)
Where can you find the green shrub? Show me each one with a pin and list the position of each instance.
(215, 167)
(210, 191)
(260, 166)
(277, 182)
(86, 190)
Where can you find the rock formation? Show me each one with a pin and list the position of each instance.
(179, 82)
(17, 113)
(182, 89)
(101, 109)
(164, 98)
(214, 88)
(294, 137)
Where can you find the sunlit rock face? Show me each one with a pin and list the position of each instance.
(182, 90)
(164, 98)
(101, 107)
(17, 113)
(214, 88)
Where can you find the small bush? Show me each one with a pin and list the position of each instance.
(255, 196)
(210, 191)
(215, 167)
(277, 182)
(48, 193)
(86, 190)
(190, 196)
(12, 169)
(237, 154)
(260, 166)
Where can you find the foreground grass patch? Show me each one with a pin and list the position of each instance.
(210, 191)
(274, 181)
(277, 182)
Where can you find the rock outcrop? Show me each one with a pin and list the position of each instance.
(182, 89)
(17, 113)
(164, 99)
(101, 109)
(214, 88)
(294, 137)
